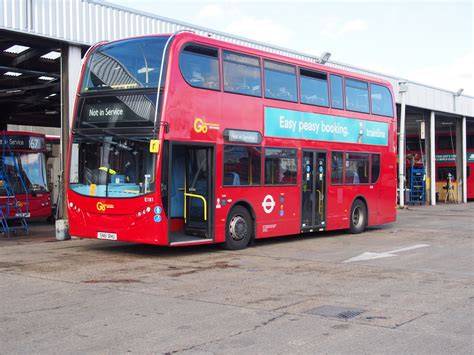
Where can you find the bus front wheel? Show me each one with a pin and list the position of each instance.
(238, 229)
(358, 218)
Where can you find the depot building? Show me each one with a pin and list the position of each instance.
(42, 44)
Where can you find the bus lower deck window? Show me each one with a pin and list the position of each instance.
(357, 168)
(280, 166)
(242, 165)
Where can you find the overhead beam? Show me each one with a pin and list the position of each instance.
(33, 119)
(26, 56)
(55, 85)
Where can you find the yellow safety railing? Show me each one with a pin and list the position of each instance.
(320, 202)
(187, 194)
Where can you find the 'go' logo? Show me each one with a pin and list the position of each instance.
(102, 207)
(200, 126)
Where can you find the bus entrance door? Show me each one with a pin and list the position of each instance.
(313, 194)
(191, 193)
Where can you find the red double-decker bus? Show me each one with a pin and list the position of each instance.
(23, 174)
(183, 139)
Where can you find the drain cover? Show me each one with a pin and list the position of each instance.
(335, 312)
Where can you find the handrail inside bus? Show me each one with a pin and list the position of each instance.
(320, 200)
(186, 194)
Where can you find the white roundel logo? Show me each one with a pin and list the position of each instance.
(268, 204)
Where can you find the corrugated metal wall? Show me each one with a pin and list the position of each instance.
(89, 21)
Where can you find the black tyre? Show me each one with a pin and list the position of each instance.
(239, 229)
(358, 217)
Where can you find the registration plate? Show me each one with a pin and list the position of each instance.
(108, 236)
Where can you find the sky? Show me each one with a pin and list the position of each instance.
(425, 41)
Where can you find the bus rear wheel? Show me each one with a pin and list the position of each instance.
(358, 217)
(239, 229)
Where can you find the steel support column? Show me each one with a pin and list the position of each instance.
(461, 160)
(432, 161)
(401, 146)
(70, 70)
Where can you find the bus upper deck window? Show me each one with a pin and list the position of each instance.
(337, 100)
(200, 66)
(280, 81)
(381, 100)
(313, 88)
(357, 95)
(242, 74)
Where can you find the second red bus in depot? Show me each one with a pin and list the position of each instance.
(183, 139)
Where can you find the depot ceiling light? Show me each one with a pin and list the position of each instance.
(50, 96)
(12, 73)
(53, 55)
(16, 49)
(459, 92)
(46, 78)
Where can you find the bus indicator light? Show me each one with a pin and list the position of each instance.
(154, 146)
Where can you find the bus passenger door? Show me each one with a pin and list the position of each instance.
(313, 190)
(191, 190)
(197, 187)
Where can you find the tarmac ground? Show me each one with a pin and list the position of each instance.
(406, 287)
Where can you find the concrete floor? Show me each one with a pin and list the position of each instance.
(107, 297)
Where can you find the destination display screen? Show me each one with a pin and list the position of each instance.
(22, 142)
(241, 136)
(117, 111)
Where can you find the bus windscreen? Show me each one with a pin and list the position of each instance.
(32, 170)
(125, 65)
(112, 166)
